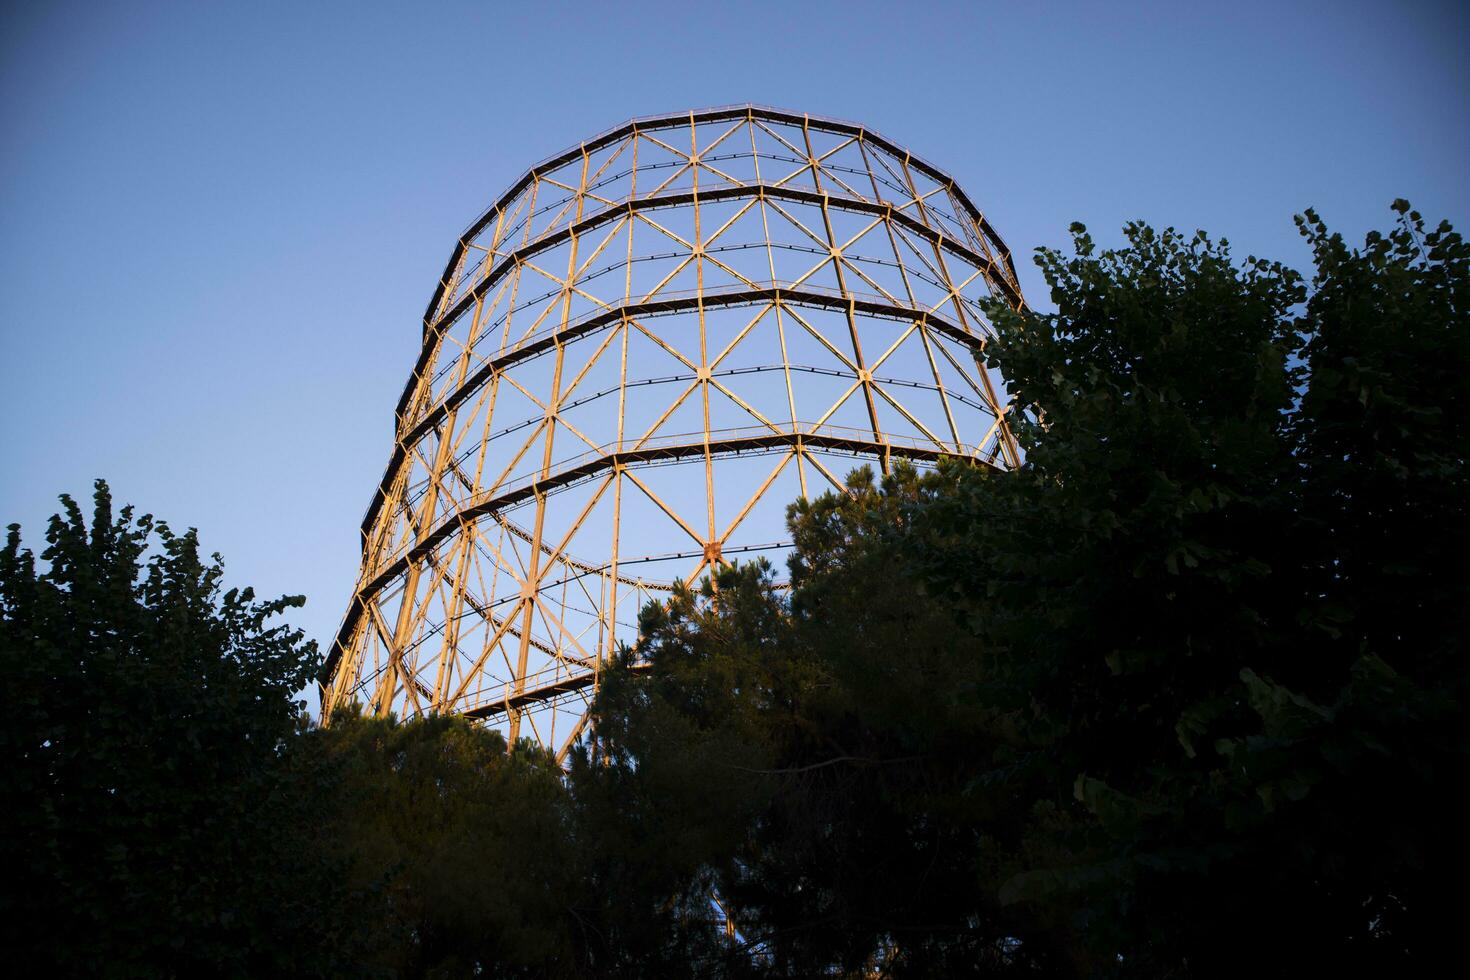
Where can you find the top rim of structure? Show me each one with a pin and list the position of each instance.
(715, 114)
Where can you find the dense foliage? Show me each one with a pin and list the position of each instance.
(145, 721)
(1184, 696)
(459, 853)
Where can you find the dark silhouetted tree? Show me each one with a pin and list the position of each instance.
(149, 828)
(461, 854)
(1182, 696)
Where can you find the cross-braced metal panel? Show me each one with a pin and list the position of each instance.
(636, 359)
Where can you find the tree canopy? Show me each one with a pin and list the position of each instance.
(1182, 696)
(146, 715)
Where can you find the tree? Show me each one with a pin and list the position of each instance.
(148, 824)
(805, 762)
(460, 854)
(1224, 586)
(1182, 696)
(465, 859)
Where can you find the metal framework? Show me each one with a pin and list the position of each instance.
(636, 358)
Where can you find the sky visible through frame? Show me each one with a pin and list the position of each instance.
(220, 223)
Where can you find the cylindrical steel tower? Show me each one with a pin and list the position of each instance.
(637, 357)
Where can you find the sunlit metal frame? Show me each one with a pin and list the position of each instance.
(477, 534)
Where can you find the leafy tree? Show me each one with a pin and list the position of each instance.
(807, 767)
(1119, 583)
(1182, 696)
(465, 859)
(1223, 590)
(460, 854)
(683, 767)
(148, 829)
(649, 823)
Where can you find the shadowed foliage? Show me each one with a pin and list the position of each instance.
(460, 853)
(1183, 696)
(147, 829)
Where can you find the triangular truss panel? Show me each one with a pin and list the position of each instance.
(645, 349)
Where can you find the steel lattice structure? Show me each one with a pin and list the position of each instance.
(636, 358)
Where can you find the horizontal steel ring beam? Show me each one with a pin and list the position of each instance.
(720, 114)
(613, 212)
(557, 689)
(616, 314)
(597, 464)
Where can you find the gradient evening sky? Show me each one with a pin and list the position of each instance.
(220, 223)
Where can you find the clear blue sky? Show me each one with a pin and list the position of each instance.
(220, 223)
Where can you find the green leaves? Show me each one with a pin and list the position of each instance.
(145, 718)
(1175, 673)
(1281, 479)
(1184, 694)
(460, 855)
